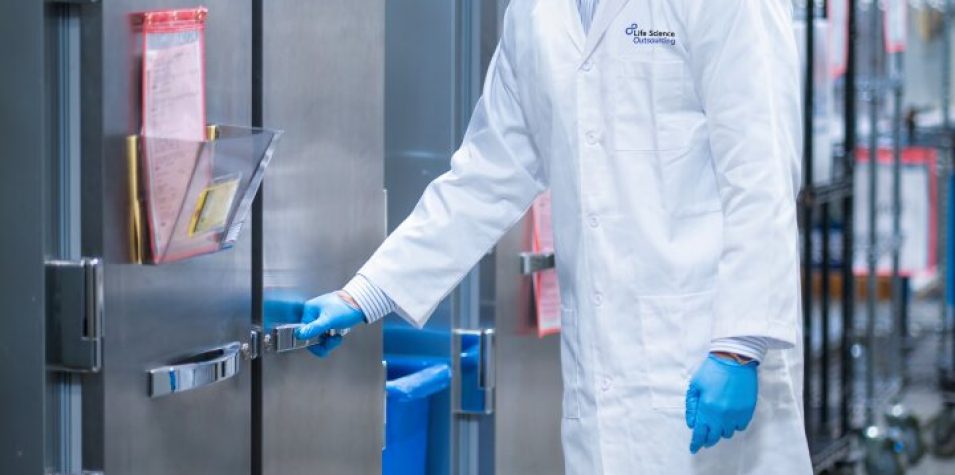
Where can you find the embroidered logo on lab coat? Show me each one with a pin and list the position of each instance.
(650, 37)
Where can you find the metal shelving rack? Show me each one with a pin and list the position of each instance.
(829, 426)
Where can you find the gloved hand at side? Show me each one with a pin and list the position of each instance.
(721, 400)
(325, 313)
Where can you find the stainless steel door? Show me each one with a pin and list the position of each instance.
(529, 389)
(323, 215)
(158, 315)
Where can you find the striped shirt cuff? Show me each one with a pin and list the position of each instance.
(372, 301)
(752, 347)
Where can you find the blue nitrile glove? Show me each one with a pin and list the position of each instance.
(323, 314)
(720, 401)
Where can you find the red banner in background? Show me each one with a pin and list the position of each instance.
(919, 204)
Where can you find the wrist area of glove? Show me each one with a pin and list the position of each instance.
(373, 303)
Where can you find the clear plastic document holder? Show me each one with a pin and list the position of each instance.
(190, 198)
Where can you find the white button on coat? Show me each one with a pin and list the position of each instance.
(698, 107)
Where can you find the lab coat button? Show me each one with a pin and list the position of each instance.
(587, 66)
(594, 222)
(598, 298)
(606, 384)
(593, 138)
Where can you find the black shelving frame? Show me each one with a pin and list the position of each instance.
(830, 435)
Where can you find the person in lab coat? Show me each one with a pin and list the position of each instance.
(668, 132)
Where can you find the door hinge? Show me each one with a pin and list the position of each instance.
(74, 310)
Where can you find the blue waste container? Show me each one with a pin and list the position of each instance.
(411, 383)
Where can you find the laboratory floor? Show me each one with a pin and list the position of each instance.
(925, 403)
(921, 395)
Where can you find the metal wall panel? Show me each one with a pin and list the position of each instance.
(157, 314)
(529, 388)
(22, 349)
(323, 215)
(422, 130)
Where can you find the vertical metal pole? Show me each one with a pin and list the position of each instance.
(897, 291)
(848, 241)
(825, 290)
(946, 66)
(945, 168)
(467, 455)
(807, 219)
(945, 236)
(872, 254)
(824, 376)
(943, 162)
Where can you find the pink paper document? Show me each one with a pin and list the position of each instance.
(173, 122)
(546, 289)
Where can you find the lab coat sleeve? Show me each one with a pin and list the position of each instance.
(745, 66)
(494, 177)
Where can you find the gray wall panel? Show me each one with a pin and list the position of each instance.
(323, 208)
(529, 388)
(22, 129)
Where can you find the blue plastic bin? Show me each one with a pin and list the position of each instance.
(411, 383)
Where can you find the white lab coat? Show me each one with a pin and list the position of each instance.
(669, 137)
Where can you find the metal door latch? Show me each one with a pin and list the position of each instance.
(281, 339)
(532, 263)
(74, 309)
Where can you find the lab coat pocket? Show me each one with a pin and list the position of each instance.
(689, 184)
(675, 331)
(647, 99)
(570, 363)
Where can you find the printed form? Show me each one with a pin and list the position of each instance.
(546, 288)
(173, 129)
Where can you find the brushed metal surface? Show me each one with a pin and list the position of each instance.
(323, 215)
(22, 346)
(422, 96)
(528, 412)
(155, 315)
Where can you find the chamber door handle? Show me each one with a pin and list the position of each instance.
(282, 338)
(203, 369)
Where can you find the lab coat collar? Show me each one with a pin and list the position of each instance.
(607, 11)
(573, 25)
